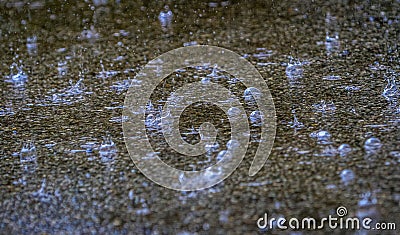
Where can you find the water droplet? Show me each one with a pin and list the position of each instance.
(344, 150)
(257, 118)
(323, 137)
(294, 70)
(251, 94)
(347, 176)
(234, 113)
(221, 155)
(372, 144)
(165, 18)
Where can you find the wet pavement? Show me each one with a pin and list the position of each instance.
(331, 66)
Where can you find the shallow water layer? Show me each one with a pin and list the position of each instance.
(331, 66)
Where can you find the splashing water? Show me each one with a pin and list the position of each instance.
(76, 88)
(367, 206)
(20, 77)
(107, 146)
(262, 53)
(332, 43)
(103, 74)
(31, 45)
(325, 107)
(391, 91)
(347, 176)
(7, 110)
(332, 77)
(41, 194)
(344, 150)
(28, 152)
(62, 68)
(165, 18)
(90, 34)
(328, 151)
(323, 137)
(256, 118)
(295, 124)
(294, 70)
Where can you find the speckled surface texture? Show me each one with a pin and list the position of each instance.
(69, 190)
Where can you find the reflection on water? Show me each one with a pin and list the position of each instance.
(332, 70)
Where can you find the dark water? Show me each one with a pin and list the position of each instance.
(66, 189)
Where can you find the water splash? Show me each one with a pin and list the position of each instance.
(332, 77)
(344, 150)
(31, 45)
(323, 137)
(28, 152)
(262, 53)
(325, 107)
(256, 118)
(367, 207)
(62, 68)
(328, 151)
(332, 43)
(107, 148)
(165, 17)
(6, 110)
(76, 88)
(391, 91)
(347, 176)
(18, 78)
(41, 194)
(295, 124)
(251, 94)
(294, 70)
(103, 74)
(89, 34)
